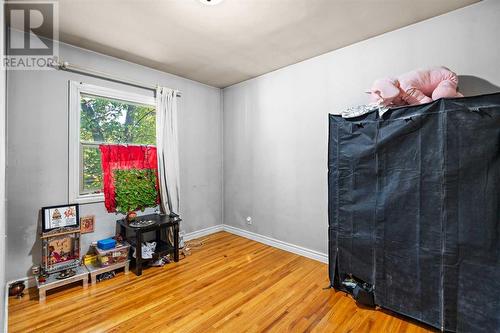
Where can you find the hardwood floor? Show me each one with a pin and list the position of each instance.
(230, 284)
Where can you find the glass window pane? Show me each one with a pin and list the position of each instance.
(91, 180)
(105, 120)
(114, 121)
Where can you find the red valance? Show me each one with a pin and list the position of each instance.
(124, 157)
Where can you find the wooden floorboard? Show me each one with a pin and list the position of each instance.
(230, 284)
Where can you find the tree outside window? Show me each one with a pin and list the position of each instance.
(104, 120)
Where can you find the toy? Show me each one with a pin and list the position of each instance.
(113, 256)
(416, 87)
(106, 244)
(90, 259)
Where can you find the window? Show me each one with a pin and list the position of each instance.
(103, 116)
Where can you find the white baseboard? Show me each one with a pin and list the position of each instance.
(302, 251)
(203, 232)
(29, 282)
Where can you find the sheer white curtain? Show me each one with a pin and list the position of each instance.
(168, 149)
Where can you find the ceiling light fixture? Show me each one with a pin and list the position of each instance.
(211, 2)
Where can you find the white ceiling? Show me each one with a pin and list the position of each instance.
(237, 39)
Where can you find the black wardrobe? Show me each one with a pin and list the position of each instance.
(414, 210)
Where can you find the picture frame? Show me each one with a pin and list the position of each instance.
(60, 216)
(87, 224)
(60, 252)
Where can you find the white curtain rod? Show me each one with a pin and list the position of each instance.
(66, 66)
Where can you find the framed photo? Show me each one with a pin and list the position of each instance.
(87, 224)
(61, 216)
(60, 252)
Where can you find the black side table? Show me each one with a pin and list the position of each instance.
(163, 247)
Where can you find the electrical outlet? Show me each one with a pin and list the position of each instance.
(249, 220)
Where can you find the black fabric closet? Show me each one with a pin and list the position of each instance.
(414, 210)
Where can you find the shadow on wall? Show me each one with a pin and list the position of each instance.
(470, 85)
(36, 249)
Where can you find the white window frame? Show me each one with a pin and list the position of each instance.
(75, 90)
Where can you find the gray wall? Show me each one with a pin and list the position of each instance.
(276, 125)
(2, 173)
(275, 131)
(37, 156)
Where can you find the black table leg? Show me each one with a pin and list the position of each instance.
(158, 235)
(138, 252)
(176, 242)
(123, 232)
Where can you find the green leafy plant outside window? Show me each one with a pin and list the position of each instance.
(135, 189)
(104, 120)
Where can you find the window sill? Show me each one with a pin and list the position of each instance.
(89, 198)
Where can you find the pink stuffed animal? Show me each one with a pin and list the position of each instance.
(415, 87)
